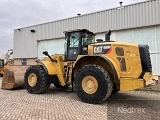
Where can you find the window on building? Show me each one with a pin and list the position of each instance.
(145, 36)
(24, 61)
(158, 38)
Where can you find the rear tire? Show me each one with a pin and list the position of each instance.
(115, 90)
(36, 79)
(98, 84)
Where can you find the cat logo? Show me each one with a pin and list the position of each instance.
(98, 49)
(101, 49)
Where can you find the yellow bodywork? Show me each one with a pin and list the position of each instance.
(127, 66)
(1, 71)
(127, 84)
(131, 56)
(56, 68)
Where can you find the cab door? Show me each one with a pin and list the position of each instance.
(73, 44)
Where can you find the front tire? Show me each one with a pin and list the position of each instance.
(36, 79)
(57, 85)
(93, 84)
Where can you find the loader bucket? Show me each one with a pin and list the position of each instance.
(13, 77)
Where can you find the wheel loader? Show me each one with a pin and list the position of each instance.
(5, 61)
(94, 69)
(13, 75)
(4, 66)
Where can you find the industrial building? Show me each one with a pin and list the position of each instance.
(137, 23)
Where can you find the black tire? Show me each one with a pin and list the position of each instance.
(42, 83)
(105, 85)
(58, 85)
(115, 90)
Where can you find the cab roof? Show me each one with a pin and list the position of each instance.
(78, 30)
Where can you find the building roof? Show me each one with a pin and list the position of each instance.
(111, 9)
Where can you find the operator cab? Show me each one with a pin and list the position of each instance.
(77, 43)
(1, 63)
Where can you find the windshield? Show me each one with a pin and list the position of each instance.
(88, 39)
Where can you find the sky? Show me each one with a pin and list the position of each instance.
(22, 13)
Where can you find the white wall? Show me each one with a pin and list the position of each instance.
(53, 46)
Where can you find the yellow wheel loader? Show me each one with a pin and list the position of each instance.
(4, 66)
(13, 75)
(95, 69)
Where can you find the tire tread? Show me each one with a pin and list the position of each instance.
(42, 76)
(99, 70)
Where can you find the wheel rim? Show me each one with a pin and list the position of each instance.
(32, 79)
(89, 84)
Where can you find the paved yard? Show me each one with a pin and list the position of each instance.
(57, 104)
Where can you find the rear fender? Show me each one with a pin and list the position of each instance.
(106, 62)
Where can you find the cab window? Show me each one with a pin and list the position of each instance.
(88, 39)
(74, 39)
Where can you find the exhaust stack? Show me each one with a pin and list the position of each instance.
(107, 36)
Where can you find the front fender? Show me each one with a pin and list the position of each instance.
(49, 67)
